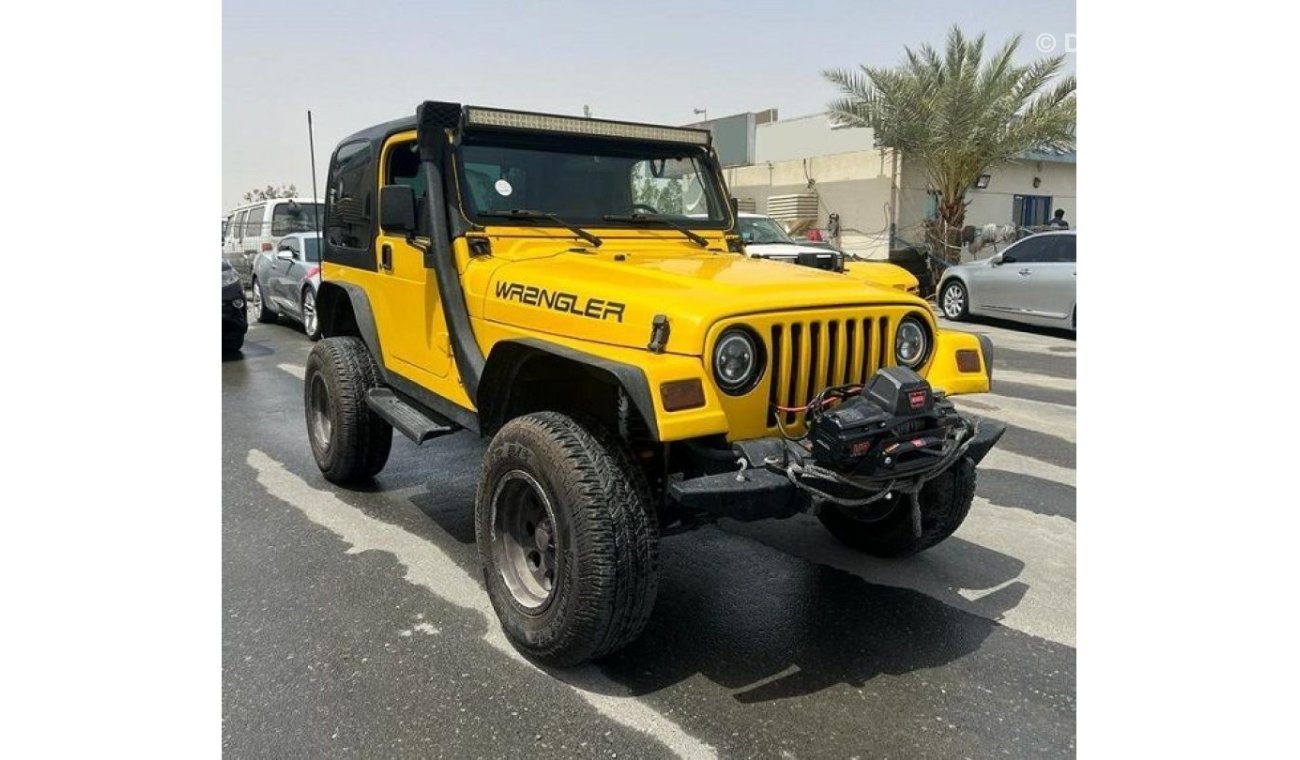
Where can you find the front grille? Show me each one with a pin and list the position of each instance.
(807, 355)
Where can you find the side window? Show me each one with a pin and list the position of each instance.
(1063, 251)
(1031, 250)
(238, 232)
(349, 198)
(253, 226)
(402, 167)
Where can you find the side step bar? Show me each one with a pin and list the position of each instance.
(413, 423)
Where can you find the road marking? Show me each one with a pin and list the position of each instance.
(1009, 461)
(294, 369)
(429, 567)
(1040, 416)
(1036, 380)
(1016, 340)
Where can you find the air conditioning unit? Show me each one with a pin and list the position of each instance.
(796, 212)
(747, 205)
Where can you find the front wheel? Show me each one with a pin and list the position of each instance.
(953, 300)
(945, 502)
(261, 309)
(310, 323)
(348, 440)
(567, 538)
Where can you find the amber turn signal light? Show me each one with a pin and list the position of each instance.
(682, 394)
(968, 360)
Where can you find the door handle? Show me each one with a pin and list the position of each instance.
(1026, 272)
(386, 256)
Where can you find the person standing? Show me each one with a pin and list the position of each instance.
(1058, 220)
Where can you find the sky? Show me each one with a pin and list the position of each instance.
(358, 64)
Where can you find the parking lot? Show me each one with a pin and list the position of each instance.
(356, 622)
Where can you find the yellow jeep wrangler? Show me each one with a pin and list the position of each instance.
(575, 289)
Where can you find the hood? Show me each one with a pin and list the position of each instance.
(882, 273)
(614, 297)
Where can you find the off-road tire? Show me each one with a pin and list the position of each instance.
(607, 538)
(945, 502)
(963, 312)
(355, 447)
(263, 311)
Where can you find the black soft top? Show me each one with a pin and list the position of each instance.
(377, 134)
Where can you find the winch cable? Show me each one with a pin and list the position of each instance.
(879, 488)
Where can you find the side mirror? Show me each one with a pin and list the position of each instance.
(397, 209)
(285, 254)
(1006, 258)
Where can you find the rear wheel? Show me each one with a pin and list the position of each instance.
(261, 309)
(953, 300)
(945, 502)
(350, 442)
(567, 538)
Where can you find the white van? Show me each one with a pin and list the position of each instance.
(255, 227)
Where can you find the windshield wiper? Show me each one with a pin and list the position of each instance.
(524, 213)
(701, 242)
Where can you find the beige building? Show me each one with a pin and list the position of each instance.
(810, 165)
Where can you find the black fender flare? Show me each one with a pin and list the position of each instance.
(363, 318)
(508, 356)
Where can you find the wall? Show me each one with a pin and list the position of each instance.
(854, 185)
(807, 136)
(994, 203)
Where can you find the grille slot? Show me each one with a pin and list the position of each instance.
(808, 355)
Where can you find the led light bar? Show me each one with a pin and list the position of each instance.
(574, 125)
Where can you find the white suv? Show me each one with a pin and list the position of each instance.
(255, 227)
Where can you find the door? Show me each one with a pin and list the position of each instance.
(283, 271)
(420, 344)
(232, 249)
(1049, 288)
(997, 288)
(1031, 210)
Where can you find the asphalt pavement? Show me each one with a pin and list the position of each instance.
(355, 622)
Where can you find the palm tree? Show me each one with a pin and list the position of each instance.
(959, 115)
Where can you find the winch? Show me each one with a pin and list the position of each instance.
(894, 427)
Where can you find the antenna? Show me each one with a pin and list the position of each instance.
(315, 196)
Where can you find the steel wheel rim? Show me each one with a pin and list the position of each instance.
(525, 546)
(309, 312)
(319, 410)
(952, 300)
(257, 299)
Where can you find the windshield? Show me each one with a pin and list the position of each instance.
(582, 181)
(288, 218)
(758, 230)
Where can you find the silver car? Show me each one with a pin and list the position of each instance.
(1032, 281)
(286, 281)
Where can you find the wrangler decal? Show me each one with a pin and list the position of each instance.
(556, 300)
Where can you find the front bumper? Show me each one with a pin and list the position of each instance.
(755, 491)
(234, 313)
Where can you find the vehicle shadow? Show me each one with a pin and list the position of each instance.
(251, 349)
(767, 626)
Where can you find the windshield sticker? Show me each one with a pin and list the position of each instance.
(503, 188)
(570, 303)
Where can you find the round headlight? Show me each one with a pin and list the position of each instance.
(736, 361)
(911, 342)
